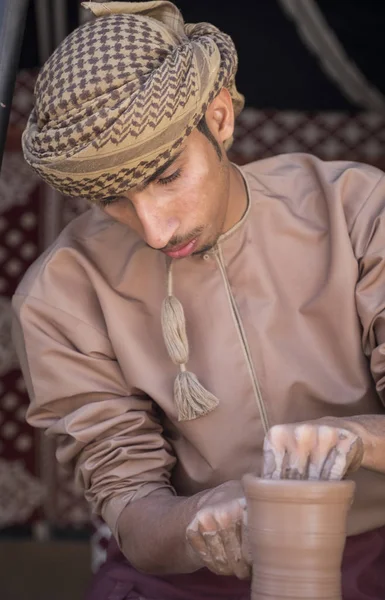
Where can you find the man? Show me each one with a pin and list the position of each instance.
(201, 321)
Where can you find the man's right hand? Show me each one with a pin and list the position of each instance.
(218, 537)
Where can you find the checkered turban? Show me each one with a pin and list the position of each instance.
(119, 96)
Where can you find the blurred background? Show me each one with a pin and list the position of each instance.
(313, 77)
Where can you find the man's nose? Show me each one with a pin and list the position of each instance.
(157, 225)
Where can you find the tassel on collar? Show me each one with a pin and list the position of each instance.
(191, 398)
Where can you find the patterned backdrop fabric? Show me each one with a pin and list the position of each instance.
(36, 495)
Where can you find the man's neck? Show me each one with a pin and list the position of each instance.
(238, 199)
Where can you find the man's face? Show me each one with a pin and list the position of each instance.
(186, 208)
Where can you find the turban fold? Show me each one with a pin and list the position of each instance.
(120, 94)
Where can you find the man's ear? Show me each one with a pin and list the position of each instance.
(220, 116)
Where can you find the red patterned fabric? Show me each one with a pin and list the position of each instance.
(329, 135)
(35, 490)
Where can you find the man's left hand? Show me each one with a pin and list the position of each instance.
(314, 450)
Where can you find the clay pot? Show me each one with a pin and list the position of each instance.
(297, 532)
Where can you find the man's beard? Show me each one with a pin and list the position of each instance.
(206, 248)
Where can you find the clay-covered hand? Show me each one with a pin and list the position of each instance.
(217, 536)
(314, 450)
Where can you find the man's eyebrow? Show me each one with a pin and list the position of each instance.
(159, 171)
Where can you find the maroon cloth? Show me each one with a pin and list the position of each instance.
(363, 577)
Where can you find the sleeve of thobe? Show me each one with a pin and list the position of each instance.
(367, 233)
(110, 435)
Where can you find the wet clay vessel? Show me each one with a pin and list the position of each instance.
(297, 533)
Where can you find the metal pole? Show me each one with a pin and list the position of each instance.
(13, 14)
(60, 21)
(43, 30)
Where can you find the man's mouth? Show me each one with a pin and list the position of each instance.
(182, 250)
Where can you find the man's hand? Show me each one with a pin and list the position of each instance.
(217, 535)
(163, 534)
(314, 450)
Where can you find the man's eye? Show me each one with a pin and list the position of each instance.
(170, 178)
(109, 200)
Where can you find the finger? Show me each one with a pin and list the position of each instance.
(204, 521)
(221, 529)
(210, 522)
(351, 445)
(274, 451)
(227, 513)
(196, 540)
(268, 468)
(198, 545)
(327, 467)
(217, 552)
(348, 450)
(209, 548)
(232, 543)
(355, 455)
(229, 518)
(321, 455)
(300, 446)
